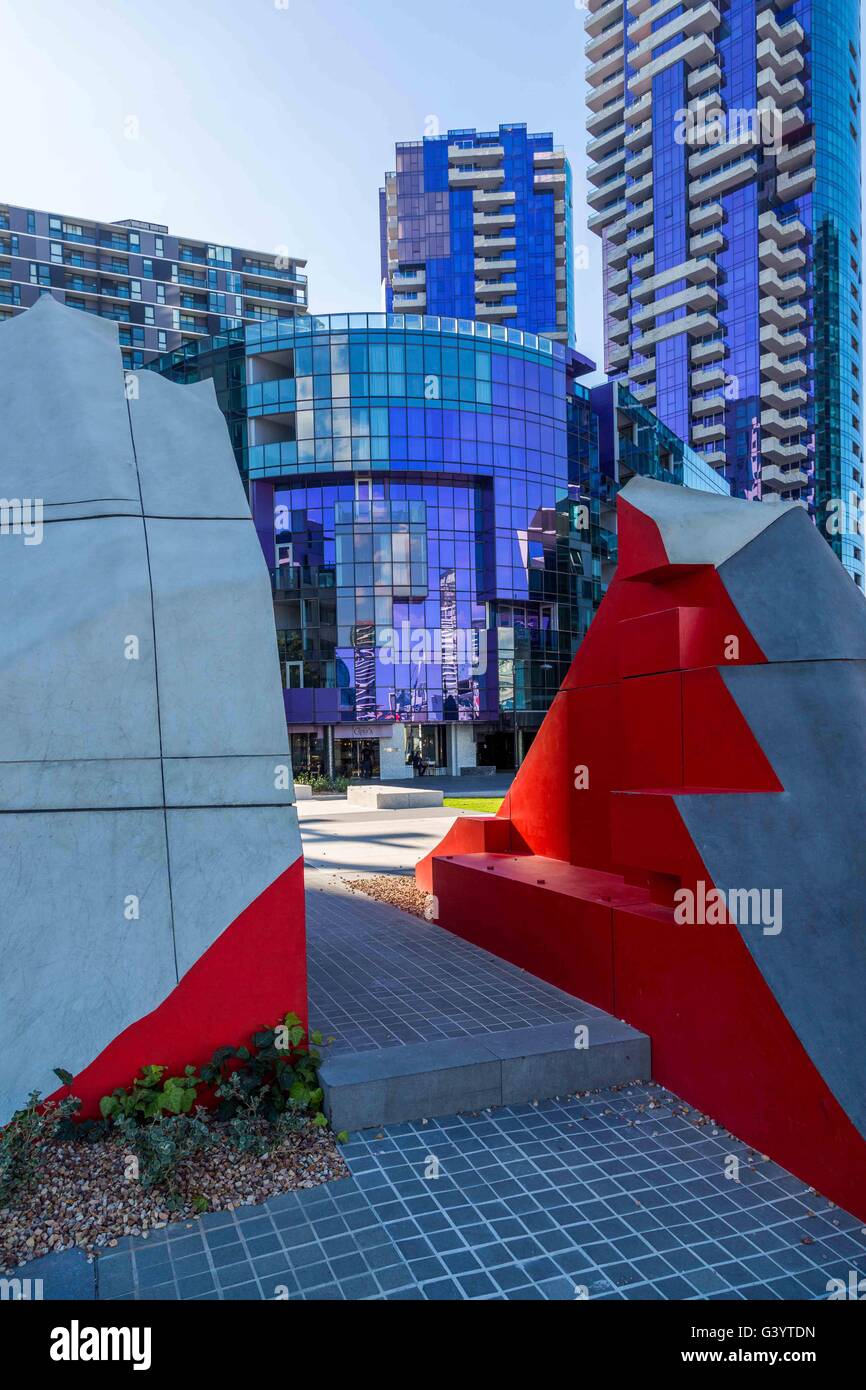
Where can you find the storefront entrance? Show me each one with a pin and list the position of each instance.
(357, 758)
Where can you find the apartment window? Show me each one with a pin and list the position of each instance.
(31, 223)
(39, 274)
(160, 294)
(161, 340)
(56, 251)
(148, 315)
(135, 289)
(147, 269)
(158, 249)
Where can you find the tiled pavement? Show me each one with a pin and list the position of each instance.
(617, 1195)
(379, 977)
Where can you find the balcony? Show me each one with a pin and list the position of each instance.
(486, 290)
(489, 265)
(476, 154)
(495, 243)
(794, 157)
(606, 216)
(782, 398)
(781, 315)
(783, 36)
(778, 452)
(602, 14)
(784, 344)
(703, 78)
(480, 179)
(605, 144)
(609, 65)
(790, 187)
(708, 434)
(643, 371)
(697, 271)
(712, 349)
(724, 180)
(783, 262)
(696, 325)
(610, 90)
(783, 66)
(706, 215)
(597, 122)
(778, 479)
(695, 52)
(779, 425)
(708, 405)
(607, 169)
(783, 233)
(779, 370)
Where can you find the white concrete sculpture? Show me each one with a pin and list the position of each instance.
(151, 892)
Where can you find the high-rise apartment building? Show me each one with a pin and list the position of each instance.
(725, 165)
(478, 225)
(163, 290)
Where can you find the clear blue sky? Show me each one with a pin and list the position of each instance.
(269, 123)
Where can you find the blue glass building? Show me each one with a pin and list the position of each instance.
(725, 163)
(435, 500)
(478, 225)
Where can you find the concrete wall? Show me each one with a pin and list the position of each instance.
(146, 797)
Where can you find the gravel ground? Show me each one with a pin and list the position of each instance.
(397, 889)
(83, 1198)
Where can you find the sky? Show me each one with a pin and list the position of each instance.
(270, 123)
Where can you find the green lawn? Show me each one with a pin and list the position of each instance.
(488, 804)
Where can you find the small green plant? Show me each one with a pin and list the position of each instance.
(25, 1139)
(275, 1078)
(149, 1096)
(160, 1146)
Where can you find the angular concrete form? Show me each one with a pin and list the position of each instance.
(150, 861)
(684, 845)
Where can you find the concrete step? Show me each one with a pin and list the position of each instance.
(394, 1085)
(393, 798)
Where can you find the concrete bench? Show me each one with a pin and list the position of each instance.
(393, 798)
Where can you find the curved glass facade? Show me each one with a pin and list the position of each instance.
(433, 503)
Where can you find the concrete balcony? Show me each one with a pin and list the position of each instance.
(716, 458)
(639, 137)
(618, 307)
(715, 185)
(603, 15)
(712, 350)
(409, 304)
(607, 142)
(641, 23)
(697, 271)
(549, 159)
(706, 434)
(598, 122)
(777, 370)
(645, 394)
(692, 23)
(605, 216)
(782, 398)
(640, 190)
(493, 266)
(617, 282)
(616, 356)
(770, 282)
(613, 188)
(640, 111)
(706, 215)
(782, 233)
(611, 60)
(784, 66)
(485, 202)
(783, 262)
(709, 75)
(794, 157)
(695, 325)
(483, 222)
(777, 424)
(641, 216)
(783, 36)
(643, 371)
(408, 280)
(614, 87)
(481, 179)
(780, 480)
(552, 182)
(789, 187)
(618, 330)
(781, 315)
(695, 52)
(708, 243)
(782, 343)
(778, 452)
(643, 265)
(476, 154)
(783, 94)
(487, 291)
(708, 405)
(708, 377)
(495, 243)
(494, 313)
(638, 162)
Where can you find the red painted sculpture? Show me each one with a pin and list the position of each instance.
(683, 846)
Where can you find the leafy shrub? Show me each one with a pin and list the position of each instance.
(149, 1097)
(160, 1146)
(25, 1139)
(274, 1079)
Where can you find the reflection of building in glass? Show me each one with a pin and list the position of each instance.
(434, 498)
(725, 150)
